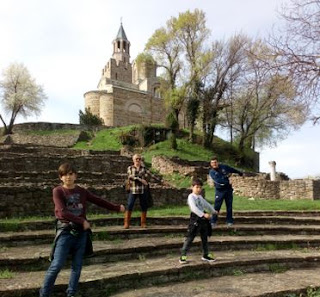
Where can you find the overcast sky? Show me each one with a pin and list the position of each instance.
(66, 43)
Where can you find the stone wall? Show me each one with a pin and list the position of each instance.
(56, 140)
(175, 165)
(21, 201)
(252, 185)
(284, 189)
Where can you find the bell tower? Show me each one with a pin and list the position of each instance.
(121, 47)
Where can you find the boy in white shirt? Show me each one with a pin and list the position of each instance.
(199, 221)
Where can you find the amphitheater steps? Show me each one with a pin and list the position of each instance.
(291, 283)
(134, 259)
(102, 279)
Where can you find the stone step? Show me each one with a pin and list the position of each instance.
(241, 218)
(293, 282)
(16, 149)
(32, 253)
(84, 163)
(108, 278)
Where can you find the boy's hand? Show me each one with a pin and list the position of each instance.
(122, 208)
(86, 225)
(207, 216)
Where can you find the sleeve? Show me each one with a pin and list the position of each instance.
(233, 170)
(193, 207)
(101, 202)
(60, 208)
(208, 206)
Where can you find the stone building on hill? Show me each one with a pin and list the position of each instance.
(126, 93)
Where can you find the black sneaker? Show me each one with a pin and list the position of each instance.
(208, 258)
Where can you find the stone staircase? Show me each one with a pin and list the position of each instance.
(263, 254)
(28, 174)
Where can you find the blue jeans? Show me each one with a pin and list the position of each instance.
(227, 196)
(143, 201)
(66, 243)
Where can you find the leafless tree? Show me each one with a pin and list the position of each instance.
(296, 49)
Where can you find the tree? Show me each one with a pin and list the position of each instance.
(296, 49)
(226, 69)
(89, 119)
(191, 32)
(19, 95)
(264, 108)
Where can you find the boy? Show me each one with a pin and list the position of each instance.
(199, 221)
(70, 205)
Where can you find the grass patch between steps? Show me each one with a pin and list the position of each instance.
(6, 274)
(277, 246)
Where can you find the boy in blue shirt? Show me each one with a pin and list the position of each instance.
(199, 221)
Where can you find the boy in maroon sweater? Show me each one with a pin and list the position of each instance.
(70, 205)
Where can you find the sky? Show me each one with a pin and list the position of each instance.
(66, 43)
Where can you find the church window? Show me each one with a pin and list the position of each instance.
(116, 75)
(119, 46)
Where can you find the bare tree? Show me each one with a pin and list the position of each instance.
(296, 49)
(19, 95)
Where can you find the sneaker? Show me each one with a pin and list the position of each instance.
(183, 260)
(208, 258)
(213, 225)
(229, 225)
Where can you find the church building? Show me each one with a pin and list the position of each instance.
(127, 93)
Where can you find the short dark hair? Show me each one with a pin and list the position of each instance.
(197, 182)
(214, 158)
(65, 168)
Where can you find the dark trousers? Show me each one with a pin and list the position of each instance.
(199, 225)
(143, 201)
(227, 196)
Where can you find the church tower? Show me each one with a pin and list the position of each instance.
(126, 93)
(121, 47)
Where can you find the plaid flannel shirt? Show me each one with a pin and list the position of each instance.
(135, 175)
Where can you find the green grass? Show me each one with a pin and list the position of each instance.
(6, 274)
(106, 139)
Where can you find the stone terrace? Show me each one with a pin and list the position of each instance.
(28, 174)
(264, 254)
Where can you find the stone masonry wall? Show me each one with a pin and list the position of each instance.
(250, 186)
(21, 201)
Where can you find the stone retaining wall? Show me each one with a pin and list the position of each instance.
(252, 185)
(55, 140)
(285, 189)
(22, 201)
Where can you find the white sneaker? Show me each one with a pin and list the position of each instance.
(229, 225)
(213, 225)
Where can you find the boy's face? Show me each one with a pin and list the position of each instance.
(196, 189)
(69, 179)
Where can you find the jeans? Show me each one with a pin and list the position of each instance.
(143, 201)
(66, 243)
(227, 196)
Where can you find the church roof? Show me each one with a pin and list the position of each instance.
(121, 34)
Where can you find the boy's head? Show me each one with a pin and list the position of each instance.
(68, 175)
(214, 163)
(66, 168)
(197, 186)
